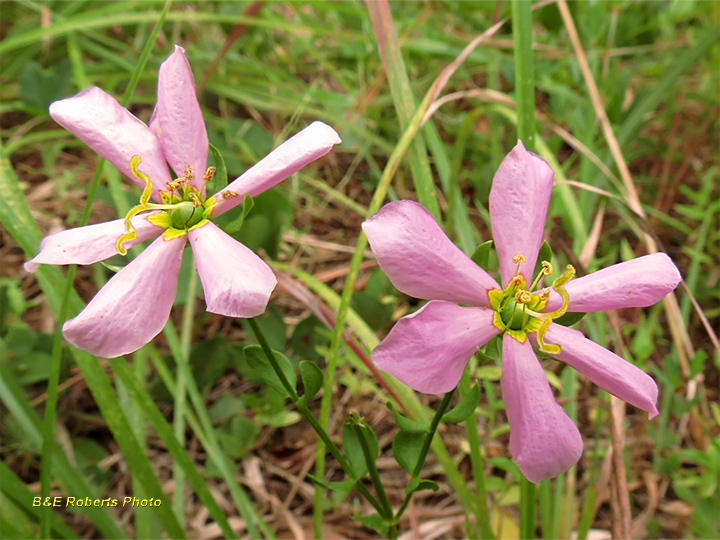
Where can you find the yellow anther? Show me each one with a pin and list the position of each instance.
(519, 258)
(196, 200)
(228, 193)
(547, 268)
(517, 281)
(209, 174)
(188, 173)
(523, 297)
(545, 295)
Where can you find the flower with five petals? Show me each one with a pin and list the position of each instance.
(134, 305)
(428, 350)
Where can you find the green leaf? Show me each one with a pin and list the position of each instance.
(39, 88)
(353, 450)
(464, 408)
(236, 224)
(416, 485)
(569, 318)
(481, 255)
(405, 424)
(545, 254)
(312, 378)
(220, 178)
(376, 522)
(344, 486)
(406, 448)
(488, 373)
(259, 363)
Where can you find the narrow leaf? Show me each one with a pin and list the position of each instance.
(406, 448)
(405, 424)
(465, 408)
(312, 378)
(259, 363)
(481, 255)
(220, 178)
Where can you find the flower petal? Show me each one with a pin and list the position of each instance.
(519, 200)
(132, 308)
(237, 283)
(311, 143)
(421, 260)
(107, 127)
(639, 282)
(543, 440)
(606, 369)
(90, 244)
(429, 349)
(177, 120)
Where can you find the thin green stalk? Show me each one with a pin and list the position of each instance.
(525, 96)
(310, 418)
(180, 392)
(476, 460)
(426, 447)
(524, 71)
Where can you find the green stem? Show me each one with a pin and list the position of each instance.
(302, 407)
(527, 509)
(426, 446)
(180, 392)
(476, 459)
(524, 71)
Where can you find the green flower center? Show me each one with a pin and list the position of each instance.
(183, 205)
(517, 312)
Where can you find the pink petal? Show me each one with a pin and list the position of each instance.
(132, 308)
(421, 260)
(543, 440)
(311, 143)
(519, 200)
(639, 282)
(113, 132)
(90, 244)
(429, 349)
(237, 283)
(606, 369)
(177, 120)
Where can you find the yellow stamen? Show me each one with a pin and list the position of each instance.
(228, 193)
(196, 200)
(518, 259)
(523, 297)
(546, 271)
(209, 174)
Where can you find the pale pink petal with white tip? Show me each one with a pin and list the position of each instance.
(543, 440)
(606, 369)
(236, 282)
(90, 244)
(639, 282)
(177, 120)
(311, 143)
(107, 127)
(421, 260)
(133, 307)
(429, 349)
(519, 200)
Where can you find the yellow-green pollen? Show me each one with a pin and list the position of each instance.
(517, 312)
(184, 206)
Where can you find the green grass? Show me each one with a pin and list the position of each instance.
(654, 65)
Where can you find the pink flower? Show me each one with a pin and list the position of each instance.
(429, 349)
(132, 308)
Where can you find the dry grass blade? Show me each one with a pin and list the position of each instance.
(590, 247)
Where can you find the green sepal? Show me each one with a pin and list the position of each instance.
(570, 318)
(416, 485)
(259, 363)
(220, 178)
(236, 224)
(312, 378)
(545, 254)
(495, 298)
(405, 424)
(481, 255)
(465, 407)
(406, 449)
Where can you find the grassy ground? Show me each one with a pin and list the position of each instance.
(645, 178)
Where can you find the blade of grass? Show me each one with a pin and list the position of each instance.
(175, 447)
